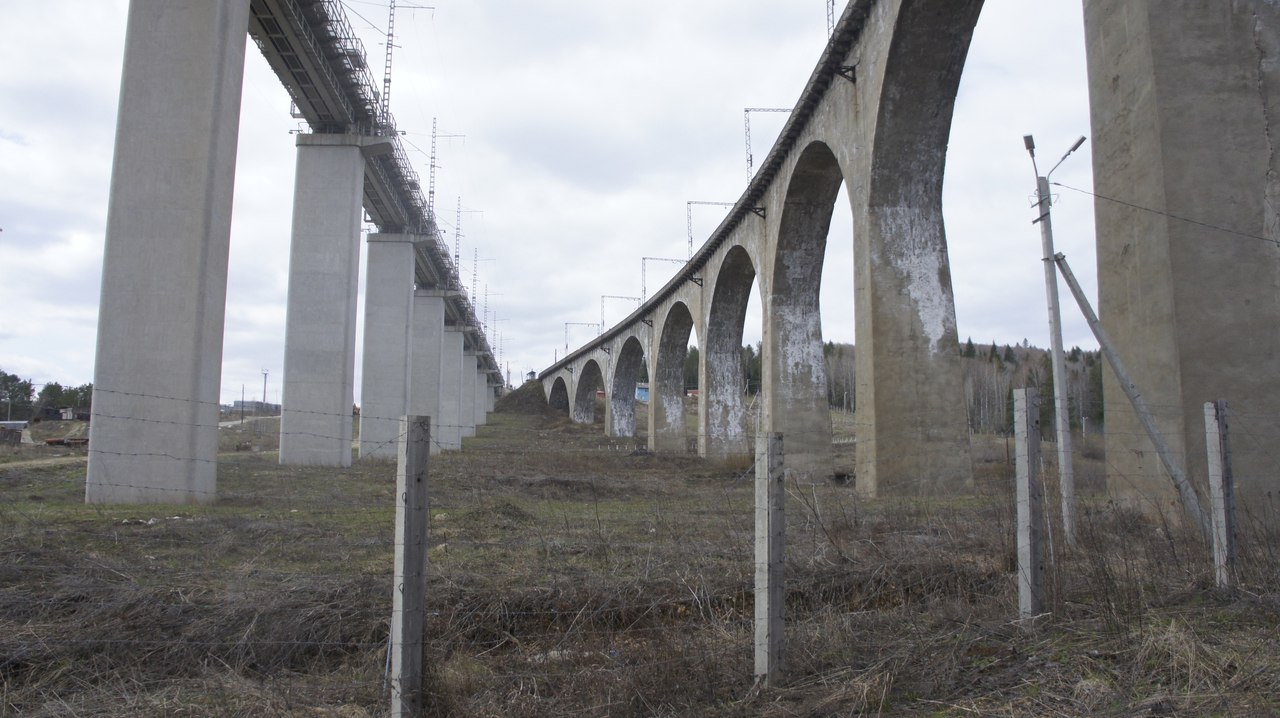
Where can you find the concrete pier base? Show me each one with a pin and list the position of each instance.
(154, 433)
(427, 339)
(320, 328)
(388, 327)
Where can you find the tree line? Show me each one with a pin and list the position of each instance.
(20, 401)
(991, 373)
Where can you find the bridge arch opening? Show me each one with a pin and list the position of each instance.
(558, 399)
(724, 410)
(795, 380)
(667, 390)
(628, 373)
(590, 381)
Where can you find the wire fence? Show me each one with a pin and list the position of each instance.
(572, 573)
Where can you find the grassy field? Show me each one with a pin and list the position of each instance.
(573, 575)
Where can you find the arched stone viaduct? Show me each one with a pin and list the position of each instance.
(875, 116)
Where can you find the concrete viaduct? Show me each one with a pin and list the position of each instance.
(153, 436)
(1183, 97)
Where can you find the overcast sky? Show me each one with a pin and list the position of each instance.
(588, 125)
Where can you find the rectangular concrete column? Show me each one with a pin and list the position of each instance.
(1184, 103)
(320, 327)
(482, 388)
(467, 386)
(450, 424)
(154, 434)
(388, 328)
(424, 378)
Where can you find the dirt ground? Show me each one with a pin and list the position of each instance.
(573, 574)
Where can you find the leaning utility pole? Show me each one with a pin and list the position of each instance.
(1190, 502)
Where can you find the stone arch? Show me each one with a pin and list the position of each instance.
(794, 369)
(666, 386)
(558, 399)
(722, 410)
(590, 380)
(622, 397)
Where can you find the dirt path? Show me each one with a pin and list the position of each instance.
(42, 462)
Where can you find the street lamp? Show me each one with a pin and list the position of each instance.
(1062, 426)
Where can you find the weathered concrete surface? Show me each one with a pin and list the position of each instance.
(1184, 95)
(558, 395)
(794, 368)
(1183, 100)
(154, 434)
(449, 427)
(667, 426)
(722, 410)
(883, 132)
(483, 393)
(427, 342)
(388, 340)
(467, 379)
(620, 407)
(590, 380)
(320, 326)
(913, 429)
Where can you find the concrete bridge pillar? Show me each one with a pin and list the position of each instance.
(154, 434)
(909, 388)
(1184, 101)
(320, 325)
(467, 379)
(427, 341)
(451, 366)
(388, 343)
(482, 390)
(723, 411)
(913, 434)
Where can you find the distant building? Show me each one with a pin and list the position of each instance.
(255, 407)
(642, 392)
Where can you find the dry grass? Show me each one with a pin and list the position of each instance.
(573, 575)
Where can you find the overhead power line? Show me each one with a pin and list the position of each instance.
(1170, 215)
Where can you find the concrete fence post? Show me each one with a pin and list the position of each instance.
(1222, 499)
(1026, 426)
(770, 531)
(408, 603)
